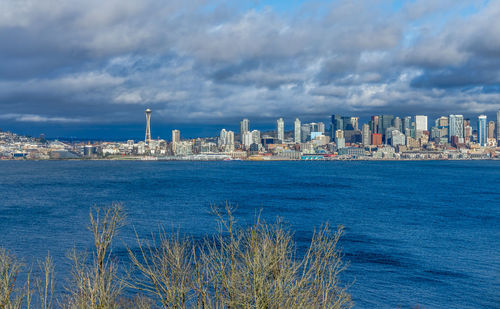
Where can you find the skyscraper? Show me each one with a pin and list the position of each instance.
(244, 127)
(339, 139)
(397, 123)
(355, 123)
(337, 124)
(147, 139)
(366, 134)
(407, 128)
(347, 124)
(384, 122)
(247, 139)
(456, 123)
(296, 131)
(222, 137)
(420, 125)
(491, 129)
(374, 124)
(176, 136)
(481, 130)
(280, 129)
(305, 132)
(321, 127)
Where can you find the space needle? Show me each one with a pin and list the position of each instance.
(148, 126)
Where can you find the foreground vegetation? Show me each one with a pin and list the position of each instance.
(255, 267)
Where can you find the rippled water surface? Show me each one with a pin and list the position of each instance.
(417, 233)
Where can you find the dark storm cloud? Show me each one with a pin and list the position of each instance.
(213, 61)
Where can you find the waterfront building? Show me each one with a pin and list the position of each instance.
(296, 131)
(183, 148)
(481, 130)
(147, 139)
(352, 151)
(244, 127)
(456, 123)
(366, 134)
(280, 130)
(491, 129)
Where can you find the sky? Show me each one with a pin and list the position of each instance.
(90, 68)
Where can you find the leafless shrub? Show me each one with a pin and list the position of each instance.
(165, 269)
(242, 268)
(45, 283)
(95, 285)
(11, 297)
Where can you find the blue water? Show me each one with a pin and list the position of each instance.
(417, 233)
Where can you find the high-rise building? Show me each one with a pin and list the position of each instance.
(280, 129)
(366, 140)
(176, 136)
(384, 122)
(376, 139)
(147, 139)
(256, 137)
(398, 124)
(244, 126)
(337, 124)
(222, 137)
(321, 127)
(305, 132)
(296, 131)
(456, 129)
(339, 139)
(407, 126)
(498, 126)
(481, 130)
(491, 129)
(247, 139)
(374, 124)
(443, 125)
(468, 133)
(397, 138)
(420, 125)
(347, 123)
(355, 123)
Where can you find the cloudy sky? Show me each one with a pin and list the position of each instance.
(90, 68)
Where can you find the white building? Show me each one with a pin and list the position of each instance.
(244, 127)
(420, 125)
(280, 129)
(296, 131)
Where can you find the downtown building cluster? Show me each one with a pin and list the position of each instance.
(383, 137)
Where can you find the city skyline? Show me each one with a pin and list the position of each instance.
(87, 70)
